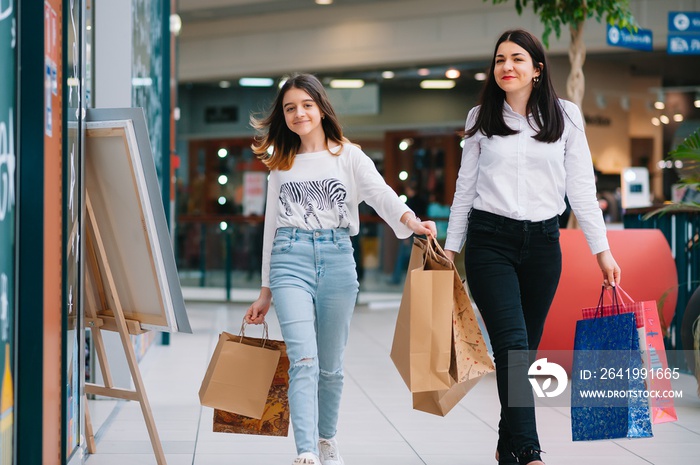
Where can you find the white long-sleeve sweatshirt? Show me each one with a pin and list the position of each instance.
(323, 191)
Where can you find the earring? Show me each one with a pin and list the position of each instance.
(536, 80)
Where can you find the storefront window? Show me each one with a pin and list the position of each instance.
(8, 124)
(72, 233)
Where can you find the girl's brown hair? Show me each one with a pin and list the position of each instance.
(273, 131)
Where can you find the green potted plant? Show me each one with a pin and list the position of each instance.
(688, 152)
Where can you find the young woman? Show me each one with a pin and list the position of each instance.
(524, 150)
(317, 180)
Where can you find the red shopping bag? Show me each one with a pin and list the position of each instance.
(651, 342)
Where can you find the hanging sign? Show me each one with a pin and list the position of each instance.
(642, 39)
(683, 33)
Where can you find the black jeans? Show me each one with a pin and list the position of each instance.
(513, 270)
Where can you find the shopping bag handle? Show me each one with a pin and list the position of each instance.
(266, 333)
(616, 304)
(437, 251)
(622, 294)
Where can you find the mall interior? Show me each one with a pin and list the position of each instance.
(114, 292)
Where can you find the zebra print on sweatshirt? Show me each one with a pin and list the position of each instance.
(322, 195)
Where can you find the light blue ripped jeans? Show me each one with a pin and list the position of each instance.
(314, 286)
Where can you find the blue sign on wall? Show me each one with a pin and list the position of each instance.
(683, 33)
(683, 21)
(683, 44)
(622, 37)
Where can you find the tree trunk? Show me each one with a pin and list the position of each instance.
(576, 83)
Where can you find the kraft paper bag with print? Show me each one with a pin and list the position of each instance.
(422, 345)
(275, 417)
(239, 375)
(442, 401)
(470, 357)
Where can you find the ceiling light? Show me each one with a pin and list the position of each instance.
(424, 72)
(225, 84)
(480, 76)
(664, 119)
(697, 100)
(656, 121)
(222, 153)
(403, 175)
(175, 24)
(659, 103)
(347, 83)
(437, 84)
(324, 2)
(388, 75)
(677, 117)
(452, 73)
(255, 82)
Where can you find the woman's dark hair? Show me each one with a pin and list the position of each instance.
(543, 104)
(273, 130)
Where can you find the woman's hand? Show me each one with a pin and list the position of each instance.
(258, 309)
(419, 227)
(450, 254)
(609, 267)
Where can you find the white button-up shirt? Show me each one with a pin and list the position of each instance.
(521, 178)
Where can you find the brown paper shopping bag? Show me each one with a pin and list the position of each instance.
(275, 417)
(440, 402)
(470, 360)
(470, 357)
(239, 375)
(422, 345)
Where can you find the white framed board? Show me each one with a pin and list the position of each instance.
(121, 184)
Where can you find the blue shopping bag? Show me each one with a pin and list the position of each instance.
(608, 394)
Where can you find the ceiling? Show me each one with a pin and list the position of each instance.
(194, 10)
(676, 71)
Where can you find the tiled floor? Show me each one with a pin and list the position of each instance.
(377, 423)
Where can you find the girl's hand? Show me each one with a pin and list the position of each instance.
(419, 227)
(609, 267)
(256, 312)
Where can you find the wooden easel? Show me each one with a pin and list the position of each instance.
(99, 317)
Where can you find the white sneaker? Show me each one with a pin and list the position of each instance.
(328, 451)
(307, 458)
